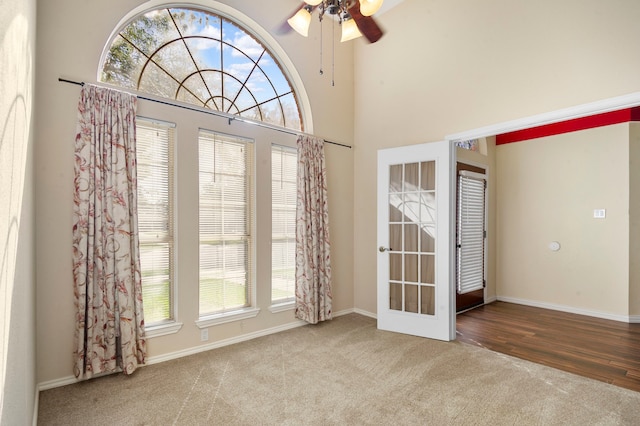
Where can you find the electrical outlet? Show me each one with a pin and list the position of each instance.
(204, 334)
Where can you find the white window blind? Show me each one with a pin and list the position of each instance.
(470, 235)
(225, 223)
(283, 223)
(154, 150)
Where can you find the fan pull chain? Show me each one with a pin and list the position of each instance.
(333, 54)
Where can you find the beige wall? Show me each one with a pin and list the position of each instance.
(17, 227)
(547, 191)
(449, 66)
(73, 50)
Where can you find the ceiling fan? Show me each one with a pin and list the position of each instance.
(355, 17)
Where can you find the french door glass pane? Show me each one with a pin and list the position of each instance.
(411, 237)
(428, 176)
(411, 298)
(412, 226)
(427, 269)
(395, 237)
(395, 267)
(428, 300)
(395, 296)
(411, 268)
(411, 177)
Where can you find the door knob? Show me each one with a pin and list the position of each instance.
(382, 249)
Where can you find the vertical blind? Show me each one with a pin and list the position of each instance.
(470, 232)
(284, 163)
(225, 223)
(154, 152)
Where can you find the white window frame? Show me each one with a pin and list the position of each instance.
(209, 319)
(282, 304)
(169, 325)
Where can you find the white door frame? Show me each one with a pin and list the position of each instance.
(487, 195)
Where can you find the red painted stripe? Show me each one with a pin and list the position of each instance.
(582, 123)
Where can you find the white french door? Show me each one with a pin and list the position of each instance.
(416, 235)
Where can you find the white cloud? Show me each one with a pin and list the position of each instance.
(248, 45)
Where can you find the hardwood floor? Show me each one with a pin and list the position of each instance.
(604, 350)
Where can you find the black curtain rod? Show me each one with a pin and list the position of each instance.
(217, 114)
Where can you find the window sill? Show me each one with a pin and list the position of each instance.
(162, 329)
(281, 307)
(217, 319)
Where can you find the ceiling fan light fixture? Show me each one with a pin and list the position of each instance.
(350, 30)
(301, 21)
(313, 2)
(369, 7)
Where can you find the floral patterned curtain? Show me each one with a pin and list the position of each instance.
(106, 261)
(313, 265)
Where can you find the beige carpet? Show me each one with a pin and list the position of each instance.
(342, 372)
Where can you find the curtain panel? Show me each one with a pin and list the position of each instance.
(109, 330)
(313, 262)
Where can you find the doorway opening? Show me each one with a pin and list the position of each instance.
(469, 299)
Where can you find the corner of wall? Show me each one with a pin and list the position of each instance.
(634, 218)
(17, 215)
(492, 238)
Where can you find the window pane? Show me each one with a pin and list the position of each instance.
(272, 112)
(154, 145)
(225, 223)
(156, 282)
(223, 276)
(197, 56)
(156, 81)
(291, 113)
(283, 223)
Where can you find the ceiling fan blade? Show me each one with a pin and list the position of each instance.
(366, 24)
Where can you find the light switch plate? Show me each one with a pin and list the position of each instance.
(599, 213)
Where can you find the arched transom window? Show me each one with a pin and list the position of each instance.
(201, 58)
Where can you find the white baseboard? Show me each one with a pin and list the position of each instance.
(634, 319)
(56, 383)
(36, 401)
(221, 343)
(366, 313)
(570, 309)
(343, 312)
(63, 381)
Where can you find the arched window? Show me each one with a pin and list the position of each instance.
(204, 59)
